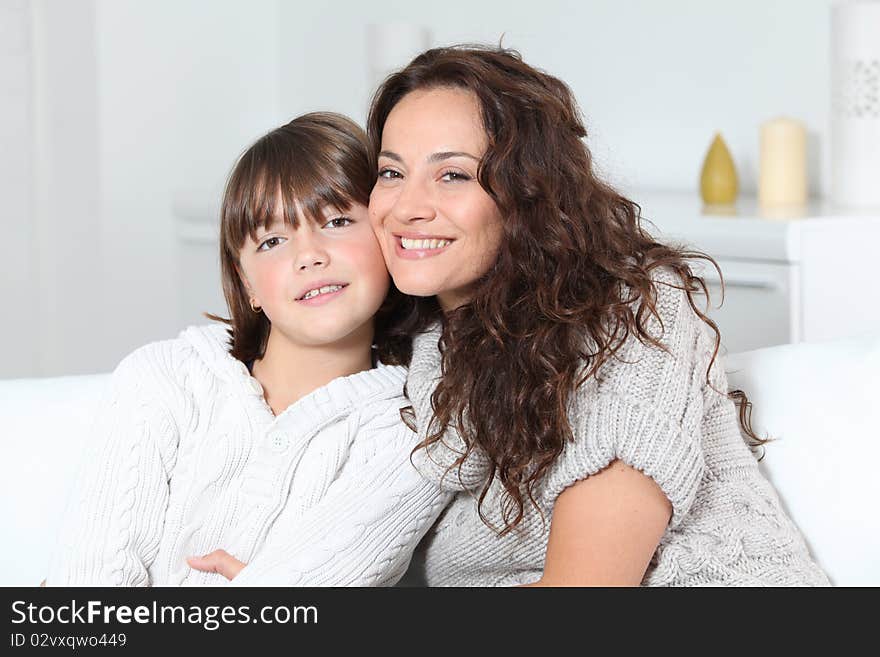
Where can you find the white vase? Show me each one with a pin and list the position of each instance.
(855, 107)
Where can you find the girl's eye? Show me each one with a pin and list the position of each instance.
(389, 174)
(338, 222)
(270, 243)
(454, 176)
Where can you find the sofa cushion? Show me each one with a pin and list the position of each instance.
(45, 426)
(819, 401)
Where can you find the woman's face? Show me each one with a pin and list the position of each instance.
(317, 284)
(438, 228)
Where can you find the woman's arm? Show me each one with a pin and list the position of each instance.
(605, 529)
(113, 523)
(635, 462)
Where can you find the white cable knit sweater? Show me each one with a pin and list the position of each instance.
(188, 458)
(656, 413)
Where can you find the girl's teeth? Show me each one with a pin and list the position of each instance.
(321, 290)
(408, 243)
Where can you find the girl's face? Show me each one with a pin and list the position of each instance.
(318, 285)
(438, 228)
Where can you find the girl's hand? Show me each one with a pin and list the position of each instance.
(218, 561)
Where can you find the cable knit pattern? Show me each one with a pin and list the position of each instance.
(188, 458)
(654, 411)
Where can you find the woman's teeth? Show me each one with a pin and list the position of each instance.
(408, 243)
(321, 290)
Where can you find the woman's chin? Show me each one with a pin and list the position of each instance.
(416, 287)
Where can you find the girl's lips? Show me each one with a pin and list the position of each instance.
(417, 254)
(321, 299)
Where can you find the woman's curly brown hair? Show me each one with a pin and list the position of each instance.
(514, 354)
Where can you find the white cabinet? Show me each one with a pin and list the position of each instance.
(810, 276)
(759, 304)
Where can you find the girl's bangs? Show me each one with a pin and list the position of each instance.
(303, 188)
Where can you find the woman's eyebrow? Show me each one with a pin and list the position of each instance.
(434, 157)
(391, 155)
(445, 155)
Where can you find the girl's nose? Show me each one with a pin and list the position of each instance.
(311, 253)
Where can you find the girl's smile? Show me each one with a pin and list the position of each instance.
(321, 293)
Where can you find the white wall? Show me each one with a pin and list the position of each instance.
(184, 86)
(109, 107)
(129, 106)
(18, 349)
(66, 187)
(654, 79)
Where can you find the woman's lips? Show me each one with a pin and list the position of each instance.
(417, 254)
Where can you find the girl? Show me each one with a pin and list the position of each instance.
(278, 440)
(562, 376)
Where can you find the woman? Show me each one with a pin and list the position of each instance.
(563, 378)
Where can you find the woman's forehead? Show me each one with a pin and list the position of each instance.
(445, 119)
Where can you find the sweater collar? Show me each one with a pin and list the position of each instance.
(339, 395)
(426, 344)
(425, 364)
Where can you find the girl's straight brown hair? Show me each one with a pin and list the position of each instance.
(317, 160)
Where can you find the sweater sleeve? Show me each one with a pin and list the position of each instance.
(364, 529)
(645, 407)
(113, 523)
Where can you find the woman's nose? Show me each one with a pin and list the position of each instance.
(414, 202)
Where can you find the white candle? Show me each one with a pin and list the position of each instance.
(783, 164)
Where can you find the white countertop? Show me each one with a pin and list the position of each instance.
(746, 230)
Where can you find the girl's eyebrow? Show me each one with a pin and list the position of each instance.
(434, 157)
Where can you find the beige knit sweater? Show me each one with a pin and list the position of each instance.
(656, 413)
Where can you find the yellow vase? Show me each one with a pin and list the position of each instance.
(718, 182)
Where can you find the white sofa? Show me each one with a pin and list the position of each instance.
(818, 400)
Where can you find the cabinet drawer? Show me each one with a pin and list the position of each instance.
(760, 306)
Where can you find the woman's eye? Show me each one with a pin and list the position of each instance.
(454, 176)
(338, 222)
(388, 174)
(270, 243)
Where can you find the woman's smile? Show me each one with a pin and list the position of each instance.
(414, 247)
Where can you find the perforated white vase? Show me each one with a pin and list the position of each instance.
(855, 107)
